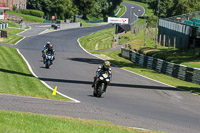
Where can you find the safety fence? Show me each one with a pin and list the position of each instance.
(182, 72)
(174, 34)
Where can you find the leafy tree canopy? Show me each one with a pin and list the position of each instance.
(170, 8)
(68, 8)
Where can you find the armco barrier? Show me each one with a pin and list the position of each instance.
(196, 76)
(175, 70)
(126, 53)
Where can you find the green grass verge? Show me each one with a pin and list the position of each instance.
(27, 27)
(12, 37)
(89, 24)
(11, 24)
(98, 40)
(104, 39)
(16, 78)
(122, 10)
(16, 122)
(27, 18)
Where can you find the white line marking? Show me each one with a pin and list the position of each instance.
(12, 95)
(76, 101)
(124, 12)
(21, 35)
(140, 128)
(20, 40)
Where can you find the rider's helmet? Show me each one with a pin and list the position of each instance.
(106, 64)
(50, 47)
(47, 44)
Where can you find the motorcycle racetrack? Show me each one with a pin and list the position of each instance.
(131, 100)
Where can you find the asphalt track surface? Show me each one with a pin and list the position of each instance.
(130, 100)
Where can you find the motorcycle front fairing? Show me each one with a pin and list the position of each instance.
(102, 79)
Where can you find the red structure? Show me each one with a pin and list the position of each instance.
(3, 8)
(2, 4)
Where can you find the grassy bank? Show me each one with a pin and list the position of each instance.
(10, 23)
(122, 11)
(184, 57)
(27, 18)
(89, 24)
(33, 123)
(16, 78)
(12, 31)
(98, 40)
(12, 37)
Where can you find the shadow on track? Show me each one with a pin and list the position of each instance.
(112, 84)
(90, 82)
(87, 60)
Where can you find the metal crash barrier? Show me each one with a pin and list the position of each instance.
(182, 72)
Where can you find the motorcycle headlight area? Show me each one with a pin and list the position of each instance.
(101, 78)
(107, 80)
(105, 75)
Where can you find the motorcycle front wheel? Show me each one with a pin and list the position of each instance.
(100, 89)
(94, 93)
(47, 65)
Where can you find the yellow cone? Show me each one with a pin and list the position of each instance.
(54, 92)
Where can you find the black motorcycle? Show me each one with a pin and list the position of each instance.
(101, 84)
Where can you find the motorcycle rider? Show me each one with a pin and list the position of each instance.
(50, 51)
(45, 47)
(104, 67)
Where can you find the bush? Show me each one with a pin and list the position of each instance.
(36, 13)
(14, 8)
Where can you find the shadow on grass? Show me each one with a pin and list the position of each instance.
(191, 89)
(15, 72)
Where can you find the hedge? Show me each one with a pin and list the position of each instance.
(36, 13)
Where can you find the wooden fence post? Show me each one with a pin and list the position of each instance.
(174, 42)
(160, 40)
(164, 41)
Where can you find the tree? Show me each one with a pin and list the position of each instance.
(60, 8)
(68, 8)
(186, 6)
(113, 5)
(104, 8)
(170, 8)
(84, 6)
(34, 4)
(63, 9)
